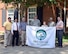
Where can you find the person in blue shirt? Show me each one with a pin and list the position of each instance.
(22, 28)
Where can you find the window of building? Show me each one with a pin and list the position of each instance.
(3, 16)
(67, 20)
(10, 13)
(32, 11)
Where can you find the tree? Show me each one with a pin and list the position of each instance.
(28, 3)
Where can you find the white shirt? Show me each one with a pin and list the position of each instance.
(44, 26)
(59, 23)
(14, 27)
(51, 24)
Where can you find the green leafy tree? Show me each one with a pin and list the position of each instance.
(28, 3)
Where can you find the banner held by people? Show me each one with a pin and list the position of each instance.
(42, 37)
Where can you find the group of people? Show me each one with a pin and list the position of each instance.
(59, 27)
(13, 31)
(18, 29)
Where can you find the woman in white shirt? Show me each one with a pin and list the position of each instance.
(44, 24)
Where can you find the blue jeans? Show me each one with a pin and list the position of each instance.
(60, 36)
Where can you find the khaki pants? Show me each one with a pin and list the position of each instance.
(7, 38)
(23, 37)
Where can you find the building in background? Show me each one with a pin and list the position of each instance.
(44, 13)
(5, 12)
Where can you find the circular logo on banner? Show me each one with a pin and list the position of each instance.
(41, 34)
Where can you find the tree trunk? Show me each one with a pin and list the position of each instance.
(53, 9)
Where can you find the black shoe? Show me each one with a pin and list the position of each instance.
(60, 46)
(5, 46)
(12, 45)
(22, 45)
(26, 45)
(17, 45)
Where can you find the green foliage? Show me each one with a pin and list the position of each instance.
(7, 1)
(18, 1)
(65, 38)
(31, 2)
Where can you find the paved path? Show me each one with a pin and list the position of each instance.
(31, 50)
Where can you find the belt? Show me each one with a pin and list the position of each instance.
(8, 30)
(15, 30)
(22, 30)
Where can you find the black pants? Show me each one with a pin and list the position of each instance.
(15, 38)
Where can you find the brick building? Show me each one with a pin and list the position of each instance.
(44, 13)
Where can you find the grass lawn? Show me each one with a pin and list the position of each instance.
(65, 38)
